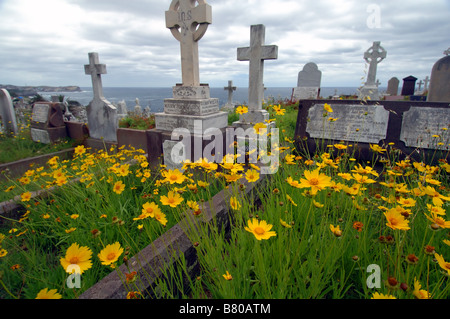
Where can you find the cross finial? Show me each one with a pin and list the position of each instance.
(188, 23)
(447, 52)
(374, 55)
(256, 54)
(95, 70)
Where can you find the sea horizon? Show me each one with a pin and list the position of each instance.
(153, 97)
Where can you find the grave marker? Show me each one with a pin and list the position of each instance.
(191, 107)
(230, 88)
(426, 81)
(101, 114)
(392, 88)
(256, 54)
(409, 85)
(308, 83)
(417, 129)
(7, 113)
(439, 90)
(47, 122)
(374, 55)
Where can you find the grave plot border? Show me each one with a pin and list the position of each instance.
(151, 262)
(396, 111)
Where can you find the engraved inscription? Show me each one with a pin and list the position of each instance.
(40, 113)
(356, 123)
(426, 127)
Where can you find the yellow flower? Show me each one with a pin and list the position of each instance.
(148, 210)
(315, 180)
(261, 230)
(340, 146)
(377, 148)
(110, 254)
(227, 276)
(174, 176)
(284, 224)
(289, 159)
(317, 204)
(241, 110)
(252, 175)
(202, 184)
(435, 195)
(363, 179)
(25, 197)
(161, 217)
(70, 230)
(327, 107)
(76, 255)
(420, 293)
(438, 221)
(193, 205)
(289, 198)
(396, 220)
(79, 150)
(260, 128)
(118, 187)
(234, 203)
(3, 252)
(407, 202)
(442, 263)
(377, 295)
(48, 294)
(172, 199)
(336, 230)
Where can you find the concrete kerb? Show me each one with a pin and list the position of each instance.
(154, 260)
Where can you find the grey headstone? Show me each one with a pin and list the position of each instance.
(392, 88)
(310, 76)
(439, 90)
(7, 113)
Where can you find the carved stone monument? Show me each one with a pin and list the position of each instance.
(439, 90)
(7, 113)
(191, 107)
(256, 53)
(374, 55)
(101, 114)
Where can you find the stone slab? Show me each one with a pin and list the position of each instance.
(362, 123)
(7, 113)
(423, 127)
(40, 113)
(191, 92)
(40, 136)
(308, 93)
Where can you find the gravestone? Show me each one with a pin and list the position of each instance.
(417, 129)
(256, 54)
(308, 83)
(7, 113)
(392, 88)
(374, 55)
(419, 88)
(47, 122)
(122, 109)
(409, 85)
(191, 107)
(439, 90)
(101, 114)
(230, 88)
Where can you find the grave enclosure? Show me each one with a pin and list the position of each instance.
(409, 127)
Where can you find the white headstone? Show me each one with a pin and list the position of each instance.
(257, 53)
(392, 88)
(7, 113)
(101, 114)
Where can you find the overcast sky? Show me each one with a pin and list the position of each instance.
(46, 42)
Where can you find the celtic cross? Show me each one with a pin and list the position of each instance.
(188, 23)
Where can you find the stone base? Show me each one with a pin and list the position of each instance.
(191, 92)
(48, 135)
(197, 107)
(251, 118)
(194, 123)
(370, 92)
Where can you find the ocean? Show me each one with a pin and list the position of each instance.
(154, 97)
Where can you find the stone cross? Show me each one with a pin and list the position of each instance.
(95, 70)
(426, 80)
(420, 85)
(378, 83)
(230, 88)
(374, 55)
(188, 23)
(447, 52)
(7, 113)
(101, 114)
(256, 54)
